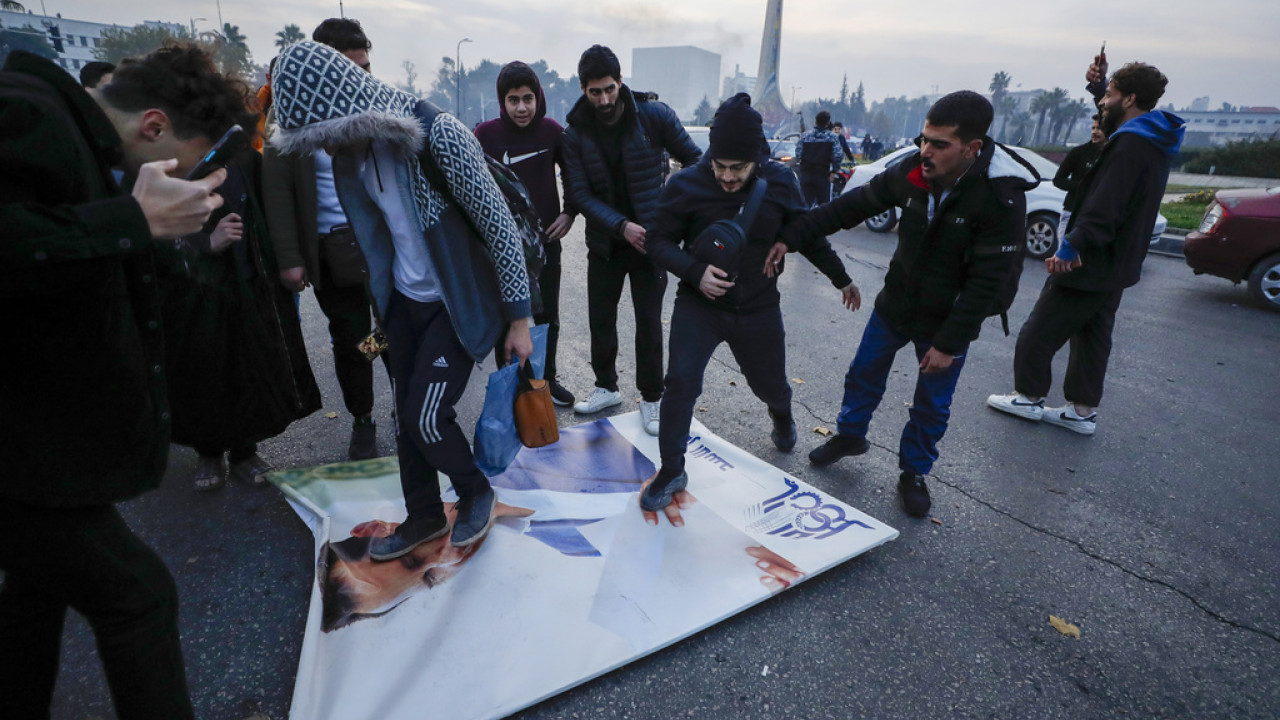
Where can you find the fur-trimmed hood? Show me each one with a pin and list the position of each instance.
(322, 98)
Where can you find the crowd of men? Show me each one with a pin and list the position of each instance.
(385, 206)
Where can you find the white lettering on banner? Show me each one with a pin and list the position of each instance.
(702, 452)
(797, 514)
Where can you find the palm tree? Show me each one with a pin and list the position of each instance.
(1059, 100)
(233, 36)
(12, 6)
(1019, 122)
(999, 90)
(1042, 105)
(289, 35)
(1071, 112)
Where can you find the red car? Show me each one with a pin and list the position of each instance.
(1239, 239)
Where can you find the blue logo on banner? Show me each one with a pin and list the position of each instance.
(702, 452)
(800, 514)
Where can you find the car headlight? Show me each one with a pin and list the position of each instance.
(1211, 218)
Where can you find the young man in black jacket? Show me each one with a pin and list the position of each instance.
(1071, 173)
(737, 305)
(83, 408)
(1099, 257)
(613, 175)
(963, 207)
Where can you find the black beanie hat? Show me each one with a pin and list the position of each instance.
(737, 130)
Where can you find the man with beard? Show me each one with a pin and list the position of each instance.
(1099, 257)
(962, 200)
(613, 174)
(531, 144)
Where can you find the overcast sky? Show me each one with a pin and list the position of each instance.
(1225, 49)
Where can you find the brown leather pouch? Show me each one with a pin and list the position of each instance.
(536, 422)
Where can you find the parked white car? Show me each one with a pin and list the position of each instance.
(1044, 203)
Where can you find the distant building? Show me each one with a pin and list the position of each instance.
(682, 76)
(1218, 127)
(737, 83)
(73, 40)
(1200, 104)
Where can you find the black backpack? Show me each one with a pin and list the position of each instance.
(518, 202)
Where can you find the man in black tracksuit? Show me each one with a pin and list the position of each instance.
(613, 176)
(963, 207)
(1099, 257)
(738, 306)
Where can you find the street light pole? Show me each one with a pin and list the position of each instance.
(457, 69)
(794, 88)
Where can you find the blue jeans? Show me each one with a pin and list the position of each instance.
(930, 409)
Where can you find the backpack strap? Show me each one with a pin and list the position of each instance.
(747, 216)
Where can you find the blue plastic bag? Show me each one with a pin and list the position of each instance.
(496, 442)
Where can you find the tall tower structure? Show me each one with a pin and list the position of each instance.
(767, 99)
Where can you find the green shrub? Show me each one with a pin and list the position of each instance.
(1251, 158)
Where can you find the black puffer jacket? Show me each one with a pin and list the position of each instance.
(693, 199)
(945, 275)
(650, 128)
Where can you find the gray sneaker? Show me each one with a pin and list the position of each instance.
(1067, 417)
(656, 496)
(475, 517)
(1018, 404)
(410, 534)
(649, 414)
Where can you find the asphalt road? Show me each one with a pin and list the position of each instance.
(1157, 537)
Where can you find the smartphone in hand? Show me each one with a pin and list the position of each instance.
(231, 142)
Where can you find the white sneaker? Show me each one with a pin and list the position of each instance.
(1018, 404)
(598, 400)
(1067, 417)
(649, 412)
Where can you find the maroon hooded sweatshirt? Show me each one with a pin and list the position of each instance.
(533, 152)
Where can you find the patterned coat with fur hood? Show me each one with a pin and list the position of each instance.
(322, 99)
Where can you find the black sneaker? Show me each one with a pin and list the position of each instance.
(560, 395)
(915, 496)
(839, 446)
(784, 431)
(475, 517)
(364, 440)
(411, 533)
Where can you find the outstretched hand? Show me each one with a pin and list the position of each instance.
(1097, 69)
(773, 261)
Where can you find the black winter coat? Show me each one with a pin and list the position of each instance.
(83, 413)
(693, 200)
(945, 275)
(238, 370)
(651, 127)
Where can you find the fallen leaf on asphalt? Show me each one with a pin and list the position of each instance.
(935, 521)
(797, 381)
(192, 560)
(733, 382)
(1064, 627)
(702, 409)
(822, 431)
(331, 415)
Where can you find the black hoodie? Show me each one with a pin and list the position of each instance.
(533, 152)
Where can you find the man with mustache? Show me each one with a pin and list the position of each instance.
(613, 175)
(1100, 255)
(963, 207)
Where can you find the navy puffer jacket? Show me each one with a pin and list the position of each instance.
(652, 128)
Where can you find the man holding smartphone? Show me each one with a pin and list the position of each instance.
(83, 408)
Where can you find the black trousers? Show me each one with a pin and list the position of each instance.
(87, 559)
(816, 187)
(604, 291)
(1061, 315)
(758, 343)
(549, 284)
(429, 373)
(347, 309)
